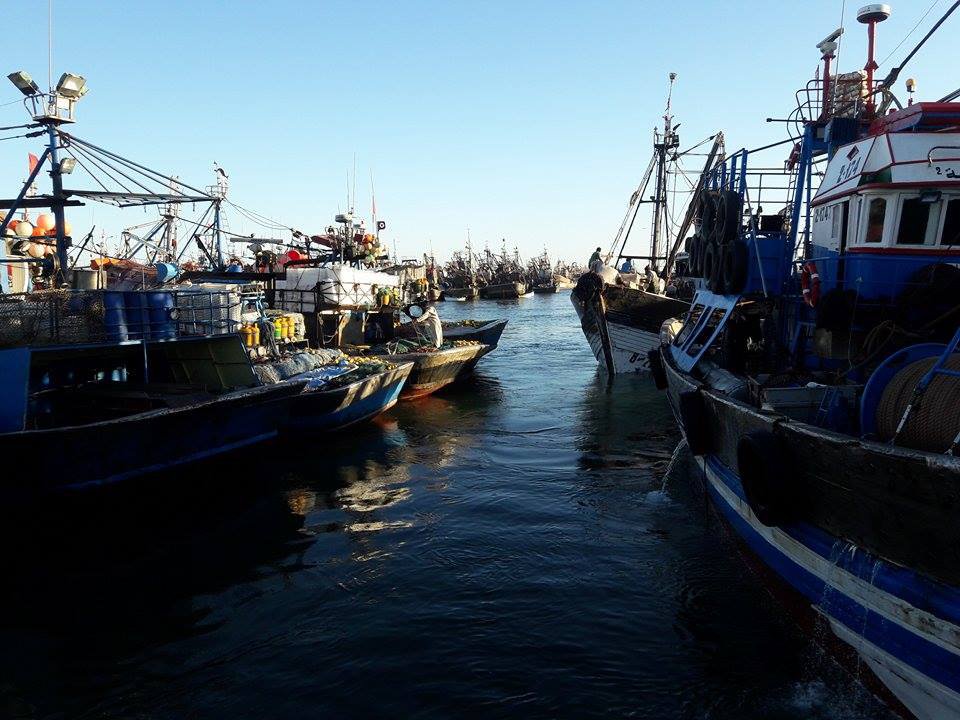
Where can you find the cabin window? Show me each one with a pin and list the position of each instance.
(918, 222)
(837, 216)
(876, 214)
(951, 224)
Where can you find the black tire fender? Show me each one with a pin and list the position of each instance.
(693, 417)
(656, 369)
(707, 212)
(710, 259)
(735, 265)
(764, 470)
(728, 217)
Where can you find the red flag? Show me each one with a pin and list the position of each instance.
(32, 161)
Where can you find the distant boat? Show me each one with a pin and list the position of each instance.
(546, 288)
(504, 291)
(460, 293)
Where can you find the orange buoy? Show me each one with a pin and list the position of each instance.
(46, 221)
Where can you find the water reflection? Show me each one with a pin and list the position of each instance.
(507, 547)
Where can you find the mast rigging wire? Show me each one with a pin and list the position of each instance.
(895, 72)
(912, 31)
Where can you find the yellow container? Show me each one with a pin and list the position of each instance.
(287, 326)
(254, 335)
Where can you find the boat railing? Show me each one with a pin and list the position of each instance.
(209, 311)
(766, 191)
(73, 317)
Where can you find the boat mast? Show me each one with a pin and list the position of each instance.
(662, 144)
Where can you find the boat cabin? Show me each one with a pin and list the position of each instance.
(889, 204)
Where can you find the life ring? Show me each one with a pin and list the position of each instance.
(810, 283)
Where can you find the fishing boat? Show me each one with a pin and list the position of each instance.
(621, 310)
(460, 293)
(504, 291)
(460, 280)
(435, 369)
(91, 413)
(331, 401)
(502, 276)
(487, 332)
(816, 375)
(549, 288)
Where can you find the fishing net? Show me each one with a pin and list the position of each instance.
(52, 317)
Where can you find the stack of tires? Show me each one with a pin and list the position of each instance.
(717, 254)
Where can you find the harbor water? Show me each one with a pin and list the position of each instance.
(530, 545)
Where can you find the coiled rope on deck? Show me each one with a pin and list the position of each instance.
(934, 422)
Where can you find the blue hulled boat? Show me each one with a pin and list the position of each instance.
(816, 375)
(322, 408)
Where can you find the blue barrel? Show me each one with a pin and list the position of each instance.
(162, 324)
(138, 315)
(166, 271)
(114, 317)
(234, 268)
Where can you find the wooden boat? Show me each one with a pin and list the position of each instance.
(504, 291)
(202, 400)
(326, 410)
(488, 333)
(433, 370)
(461, 293)
(621, 324)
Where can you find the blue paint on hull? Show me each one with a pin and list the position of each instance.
(364, 409)
(930, 659)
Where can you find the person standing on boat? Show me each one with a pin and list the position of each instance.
(429, 325)
(596, 262)
(653, 280)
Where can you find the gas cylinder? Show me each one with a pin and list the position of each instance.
(277, 329)
(245, 334)
(254, 335)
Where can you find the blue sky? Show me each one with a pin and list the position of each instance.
(523, 120)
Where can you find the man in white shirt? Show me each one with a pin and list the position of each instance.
(429, 325)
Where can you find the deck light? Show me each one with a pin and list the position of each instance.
(67, 165)
(24, 83)
(72, 86)
(930, 196)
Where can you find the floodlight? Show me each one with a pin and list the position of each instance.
(72, 86)
(24, 83)
(67, 165)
